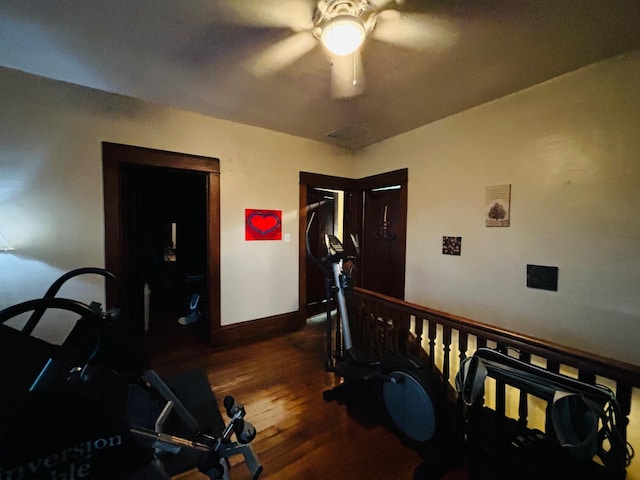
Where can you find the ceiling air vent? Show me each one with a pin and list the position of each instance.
(348, 131)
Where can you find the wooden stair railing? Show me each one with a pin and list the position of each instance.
(383, 324)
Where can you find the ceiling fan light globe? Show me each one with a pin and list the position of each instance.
(343, 35)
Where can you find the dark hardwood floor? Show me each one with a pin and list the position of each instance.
(280, 381)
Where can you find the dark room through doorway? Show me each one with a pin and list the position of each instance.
(162, 241)
(167, 237)
(372, 210)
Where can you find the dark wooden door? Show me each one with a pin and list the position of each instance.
(380, 262)
(383, 243)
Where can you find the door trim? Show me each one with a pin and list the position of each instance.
(354, 186)
(115, 159)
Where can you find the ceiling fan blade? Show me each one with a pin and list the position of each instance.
(414, 31)
(347, 75)
(282, 54)
(294, 14)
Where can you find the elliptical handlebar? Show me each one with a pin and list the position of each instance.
(322, 266)
(335, 253)
(334, 247)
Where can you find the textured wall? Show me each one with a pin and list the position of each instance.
(571, 151)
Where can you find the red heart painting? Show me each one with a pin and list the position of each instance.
(263, 224)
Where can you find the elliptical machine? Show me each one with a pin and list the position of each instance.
(413, 399)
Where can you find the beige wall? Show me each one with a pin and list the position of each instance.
(51, 203)
(570, 148)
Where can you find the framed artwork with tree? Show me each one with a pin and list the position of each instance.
(498, 206)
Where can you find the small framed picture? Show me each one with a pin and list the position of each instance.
(498, 206)
(262, 224)
(451, 245)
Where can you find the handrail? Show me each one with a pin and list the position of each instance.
(386, 325)
(607, 367)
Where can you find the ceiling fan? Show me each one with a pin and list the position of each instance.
(341, 27)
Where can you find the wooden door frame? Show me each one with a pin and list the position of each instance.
(356, 186)
(115, 159)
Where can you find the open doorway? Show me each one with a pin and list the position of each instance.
(373, 210)
(327, 206)
(329, 198)
(166, 219)
(162, 241)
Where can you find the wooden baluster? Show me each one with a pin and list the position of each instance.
(372, 333)
(432, 341)
(481, 342)
(397, 331)
(385, 333)
(383, 328)
(587, 377)
(389, 333)
(624, 394)
(392, 333)
(523, 405)
(553, 366)
(501, 401)
(372, 330)
(446, 347)
(378, 334)
(463, 345)
(381, 333)
(404, 329)
(418, 329)
(382, 318)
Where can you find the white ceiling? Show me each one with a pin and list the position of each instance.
(218, 57)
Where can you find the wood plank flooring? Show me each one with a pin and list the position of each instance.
(280, 381)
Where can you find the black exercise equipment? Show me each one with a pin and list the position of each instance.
(584, 423)
(91, 407)
(412, 398)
